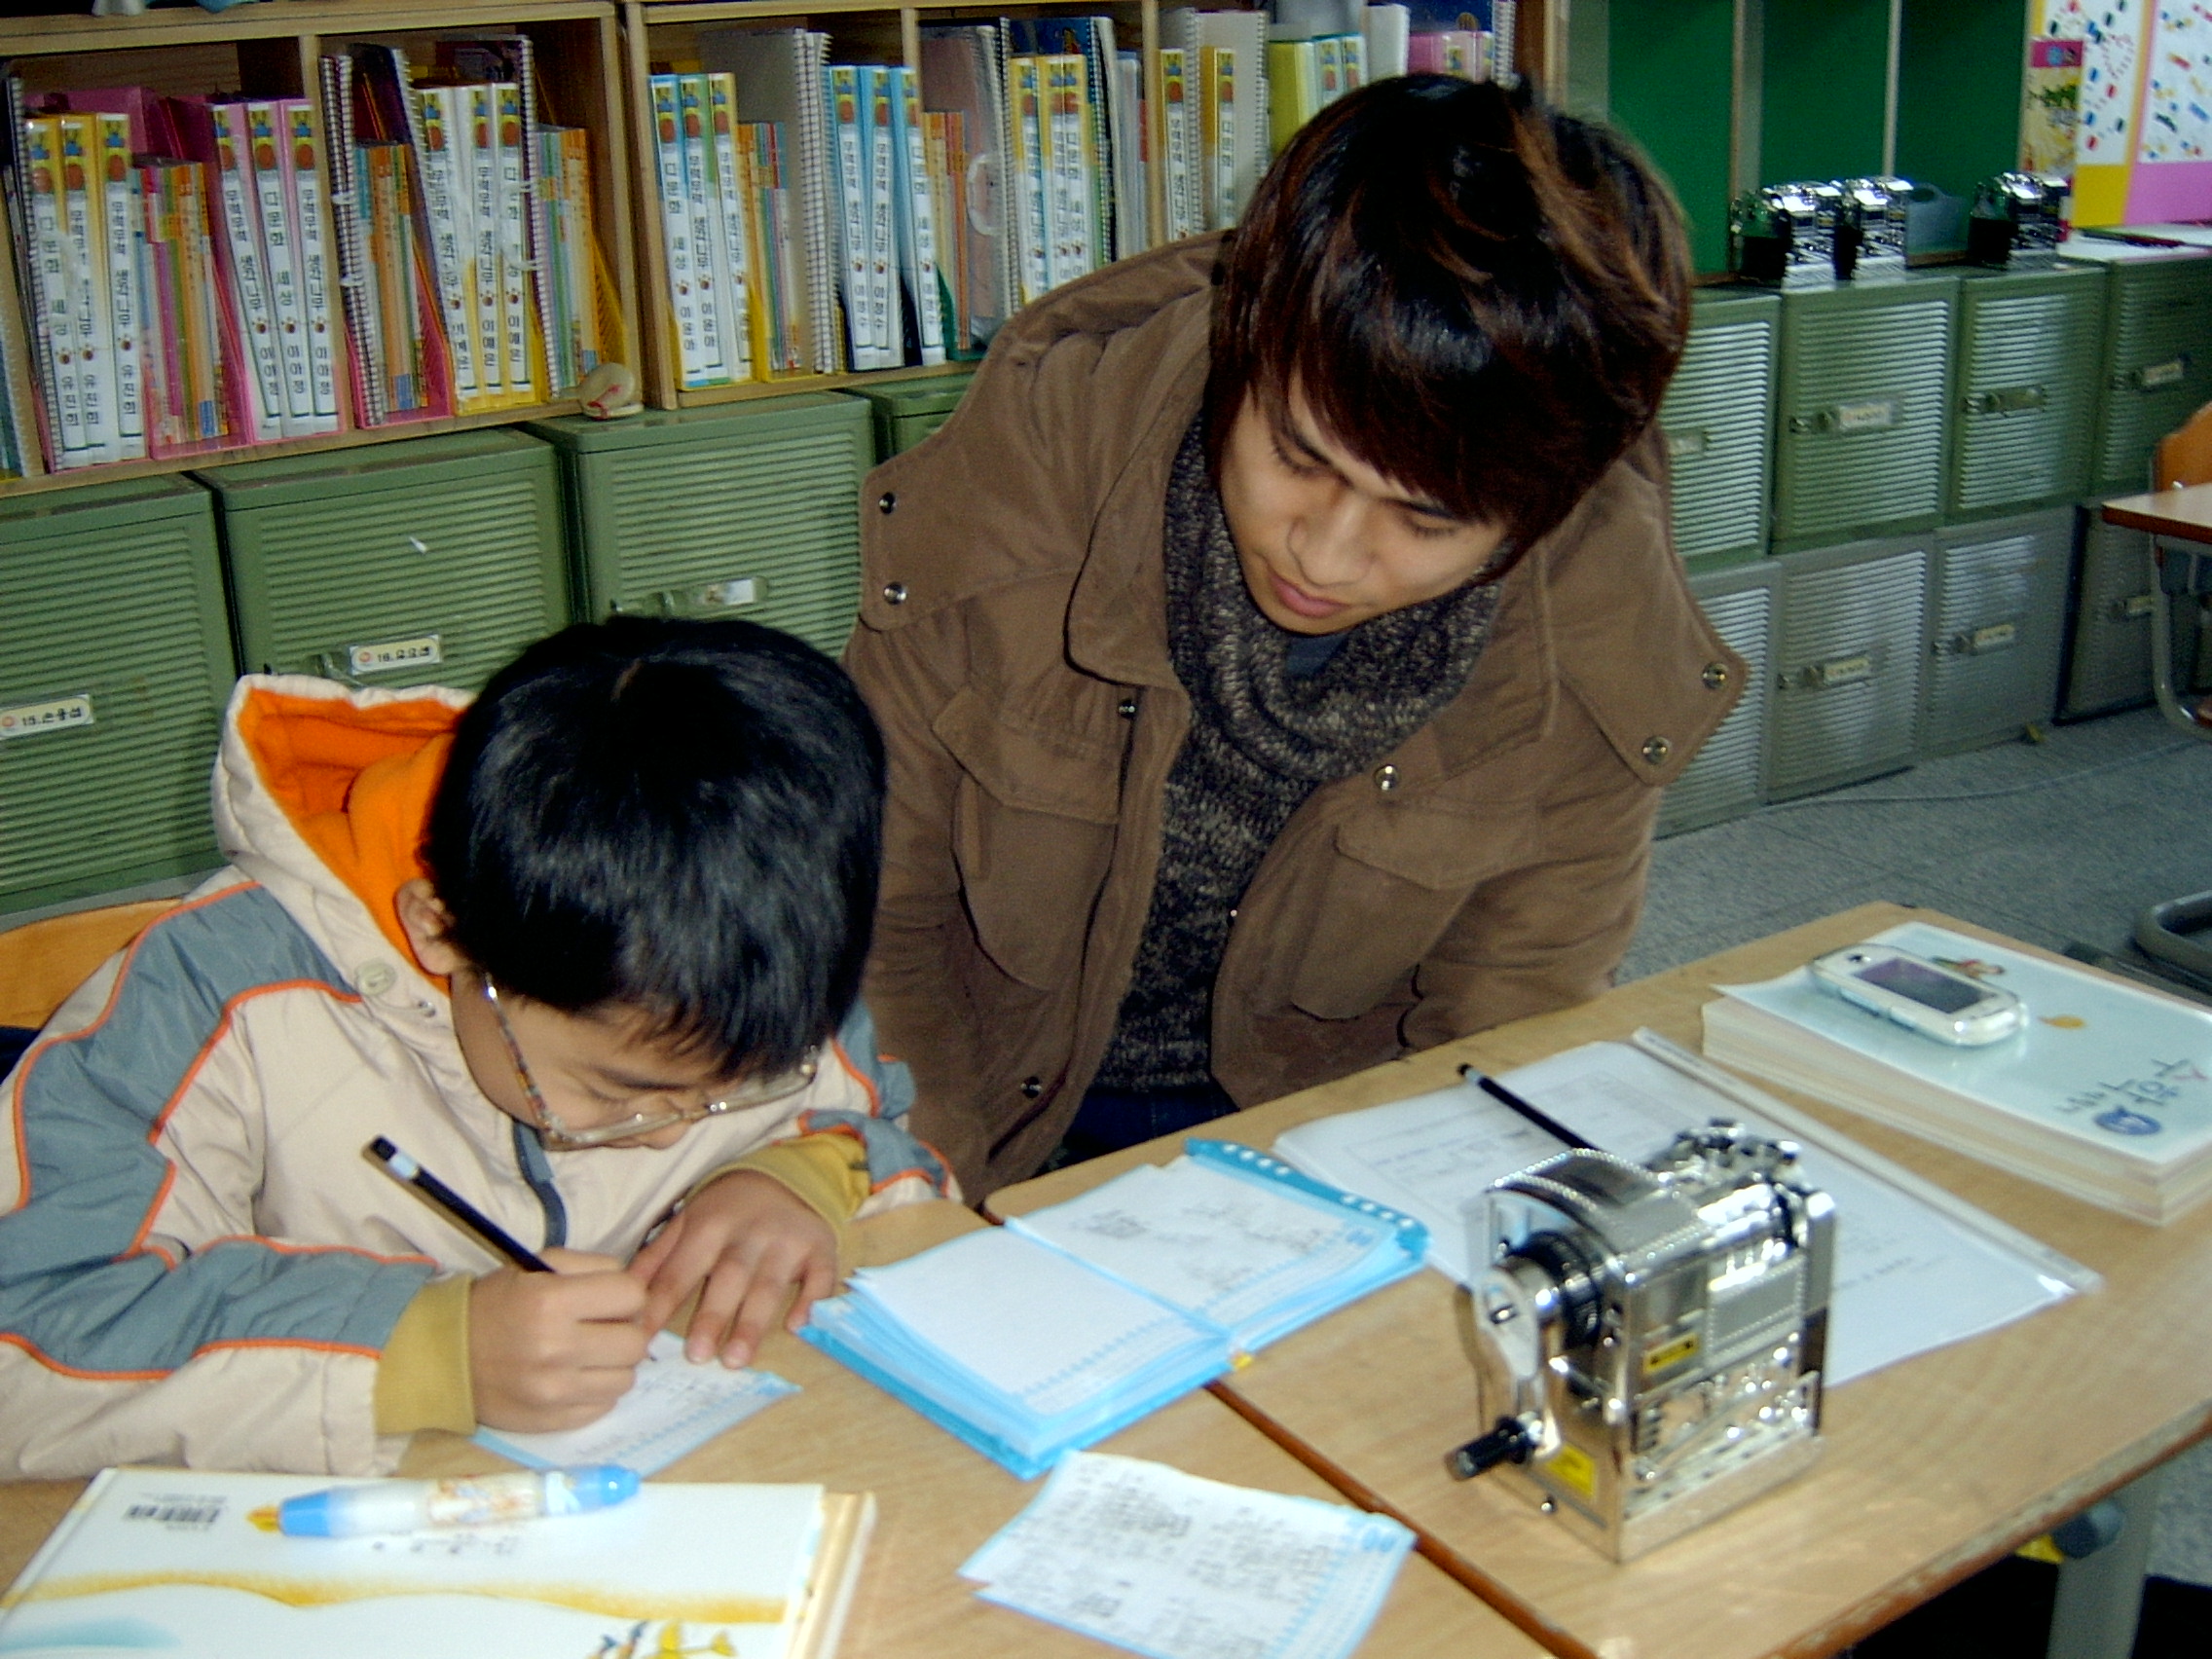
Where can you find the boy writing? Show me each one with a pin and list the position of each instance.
(587, 948)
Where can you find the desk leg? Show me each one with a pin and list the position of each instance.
(2101, 1595)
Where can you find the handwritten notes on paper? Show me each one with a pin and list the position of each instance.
(674, 1407)
(1166, 1564)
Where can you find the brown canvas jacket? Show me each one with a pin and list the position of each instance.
(1012, 643)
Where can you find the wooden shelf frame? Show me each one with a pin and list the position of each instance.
(274, 48)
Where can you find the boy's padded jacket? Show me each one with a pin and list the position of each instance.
(198, 1264)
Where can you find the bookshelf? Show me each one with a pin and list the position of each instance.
(271, 49)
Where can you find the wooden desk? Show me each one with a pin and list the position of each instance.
(938, 1501)
(1930, 1470)
(2185, 515)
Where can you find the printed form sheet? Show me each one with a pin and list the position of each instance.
(1908, 1276)
(1171, 1566)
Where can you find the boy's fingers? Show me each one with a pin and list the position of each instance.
(577, 1261)
(820, 1279)
(726, 1288)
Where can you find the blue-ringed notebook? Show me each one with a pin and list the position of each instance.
(1051, 1333)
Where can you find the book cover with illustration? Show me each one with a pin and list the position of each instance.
(175, 1562)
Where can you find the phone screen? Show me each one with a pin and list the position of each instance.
(1923, 985)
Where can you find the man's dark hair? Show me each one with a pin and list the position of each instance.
(678, 817)
(1480, 298)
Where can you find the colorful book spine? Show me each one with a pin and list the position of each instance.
(448, 211)
(515, 301)
(1351, 55)
(122, 227)
(87, 245)
(1179, 141)
(676, 234)
(1294, 89)
(280, 258)
(583, 264)
(231, 183)
(745, 346)
(849, 146)
(1033, 223)
(882, 229)
(209, 364)
(1217, 125)
(710, 276)
(53, 278)
(483, 178)
(918, 256)
(310, 231)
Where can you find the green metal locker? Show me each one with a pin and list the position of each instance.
(431, 561)
(115, 663)
(1848, 659)
(2158, 353)
(908, 411)
(1861, 421)
(749, 510)
(2026, 388)
(1719, 417)
(1996, 621)
(1728, 777)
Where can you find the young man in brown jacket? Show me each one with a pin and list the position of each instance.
(1280, 654)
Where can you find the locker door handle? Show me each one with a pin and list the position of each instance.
(2004, 400)
(2149, 377)
(1867, 414)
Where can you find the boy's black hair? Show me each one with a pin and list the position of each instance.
(678, 817)
(1477, 296)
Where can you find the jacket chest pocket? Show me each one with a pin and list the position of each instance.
(1033, 831)
(1385, 892)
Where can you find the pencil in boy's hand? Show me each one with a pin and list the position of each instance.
(458, 1209)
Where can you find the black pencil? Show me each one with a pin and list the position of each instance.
(1543, 1121)
(458, 1209)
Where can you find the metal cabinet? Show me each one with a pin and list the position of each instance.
(1728, 777)
(2026, 381)
(2156, 359)
(115, 663)
(1996, 622)
(1719, 417)
(1848, 658)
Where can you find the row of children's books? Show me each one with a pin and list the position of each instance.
(198, 274)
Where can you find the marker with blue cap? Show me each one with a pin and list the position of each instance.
(482, 1500)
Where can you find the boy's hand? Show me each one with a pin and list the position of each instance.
(555, 1351)
(753, 1244)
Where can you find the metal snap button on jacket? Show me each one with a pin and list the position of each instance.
(1031, 1087)
(1385, 777)
(894, 593)
(886, 501)
(1657, 748)
(1715, 675)
(1127, 708)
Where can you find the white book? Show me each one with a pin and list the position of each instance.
(709, 259)
(1245, 34)
(1387, 30)
(882, 231)
(675, 233)
(264, 140)
(123, 229)
(83, 236)
(849, 155)
(1132, 183)
(917, 240)
(483, 182)
(1068, 145)
(311, 230)
(743, 292)
(1179, 125)
(515, 298)
(447, 206)
(242, 233)
(52, 278)
(1033, 217)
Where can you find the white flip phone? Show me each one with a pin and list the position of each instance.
(1920, 995)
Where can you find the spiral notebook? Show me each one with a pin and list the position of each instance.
(1051, 1333)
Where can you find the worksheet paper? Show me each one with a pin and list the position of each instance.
(674, 1407)
(1908, 1276)
(1170, 1566)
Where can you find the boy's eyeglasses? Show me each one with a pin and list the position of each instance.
(559, 1137)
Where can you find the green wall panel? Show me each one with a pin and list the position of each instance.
(1672, 84)
(1824, 95)
(1959, 91)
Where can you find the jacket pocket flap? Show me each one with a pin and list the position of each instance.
(1442, 851)
(1029, 768)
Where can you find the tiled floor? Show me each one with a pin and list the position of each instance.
(2057, 842)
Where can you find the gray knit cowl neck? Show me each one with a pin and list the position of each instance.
(1262, 739)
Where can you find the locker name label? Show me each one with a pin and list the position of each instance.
(1684, 442)
(426, 651)
(1871, 417)
(2155, 375)
(730, 593)
(1843, 671)
(60, 714)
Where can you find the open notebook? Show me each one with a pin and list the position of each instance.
(1066, 1325)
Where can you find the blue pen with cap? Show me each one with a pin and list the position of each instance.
(480, 1500)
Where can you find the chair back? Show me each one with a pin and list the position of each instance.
(2183, 455)
(42, 962)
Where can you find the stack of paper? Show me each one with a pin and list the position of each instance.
(2106, 1095)
(1915, 1268)
(1019, 1350)
(1062, 1327)
(1169, 1565)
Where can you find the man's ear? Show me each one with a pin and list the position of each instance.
(428, 927)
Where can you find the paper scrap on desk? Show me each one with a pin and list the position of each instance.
(673, 1407)
(1174, 1566)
